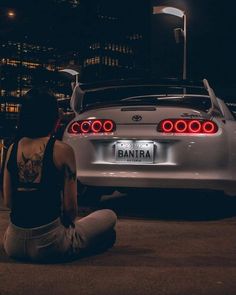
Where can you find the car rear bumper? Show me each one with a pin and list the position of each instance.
(190, 161)
(138, 180)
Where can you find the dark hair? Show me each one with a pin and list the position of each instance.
(39, 113)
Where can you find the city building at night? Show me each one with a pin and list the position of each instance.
(72, 3)
(24, 65)
(117, 39)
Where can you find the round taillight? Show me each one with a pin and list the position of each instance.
(74, 128)
(194, 126)
(208, 127)
(167, 126)
(181, 126)
(108, 126)
(96, 126)
(85, 126)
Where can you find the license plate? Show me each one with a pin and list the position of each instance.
(134, 152)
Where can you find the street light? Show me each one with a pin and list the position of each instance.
(179, 13)
(11, 14)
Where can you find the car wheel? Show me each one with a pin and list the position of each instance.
(91, 195)
(81, 189)
(230, 194)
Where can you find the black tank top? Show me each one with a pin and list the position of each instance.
(42, 205)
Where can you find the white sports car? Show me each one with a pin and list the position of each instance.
(131, 134)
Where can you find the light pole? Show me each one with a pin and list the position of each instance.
(181, 14)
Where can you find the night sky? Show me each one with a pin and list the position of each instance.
(211, 31)
(43, 21)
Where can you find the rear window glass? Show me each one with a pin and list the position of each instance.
(196, 102)
(156, 96)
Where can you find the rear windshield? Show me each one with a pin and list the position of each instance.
(155, 96)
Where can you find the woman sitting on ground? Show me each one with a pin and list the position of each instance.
(40, 189)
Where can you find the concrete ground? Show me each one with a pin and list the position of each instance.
(165, 245)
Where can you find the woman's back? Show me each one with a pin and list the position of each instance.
(37, 182)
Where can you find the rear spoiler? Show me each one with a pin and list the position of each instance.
(215, 110)
(76, 102)
(77, 98)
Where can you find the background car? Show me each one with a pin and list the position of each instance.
(139, 134)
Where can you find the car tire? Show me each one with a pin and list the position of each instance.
(90, 194)
(230, 194)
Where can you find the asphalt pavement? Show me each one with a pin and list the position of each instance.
(171, 243)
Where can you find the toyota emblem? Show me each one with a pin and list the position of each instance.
(137, 118)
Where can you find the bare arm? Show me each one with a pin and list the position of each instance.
(70, 206)
(7, 183)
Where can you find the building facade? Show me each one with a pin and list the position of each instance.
(116, 39)
(71, 3)
(23, 65)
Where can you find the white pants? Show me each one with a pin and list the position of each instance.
(53, 241)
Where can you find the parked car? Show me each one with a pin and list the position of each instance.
(136, 134)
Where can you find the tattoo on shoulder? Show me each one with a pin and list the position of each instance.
(69, 174)
(31, 167)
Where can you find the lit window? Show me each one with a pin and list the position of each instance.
(12, 108)
(2, 107)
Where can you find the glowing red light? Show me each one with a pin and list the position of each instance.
(187, 126)
(194, 126)
(108, 126)
(75, 127)
(96, 126)
(208, 127)
(85, 126)
(167, 126)
(181, 126)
